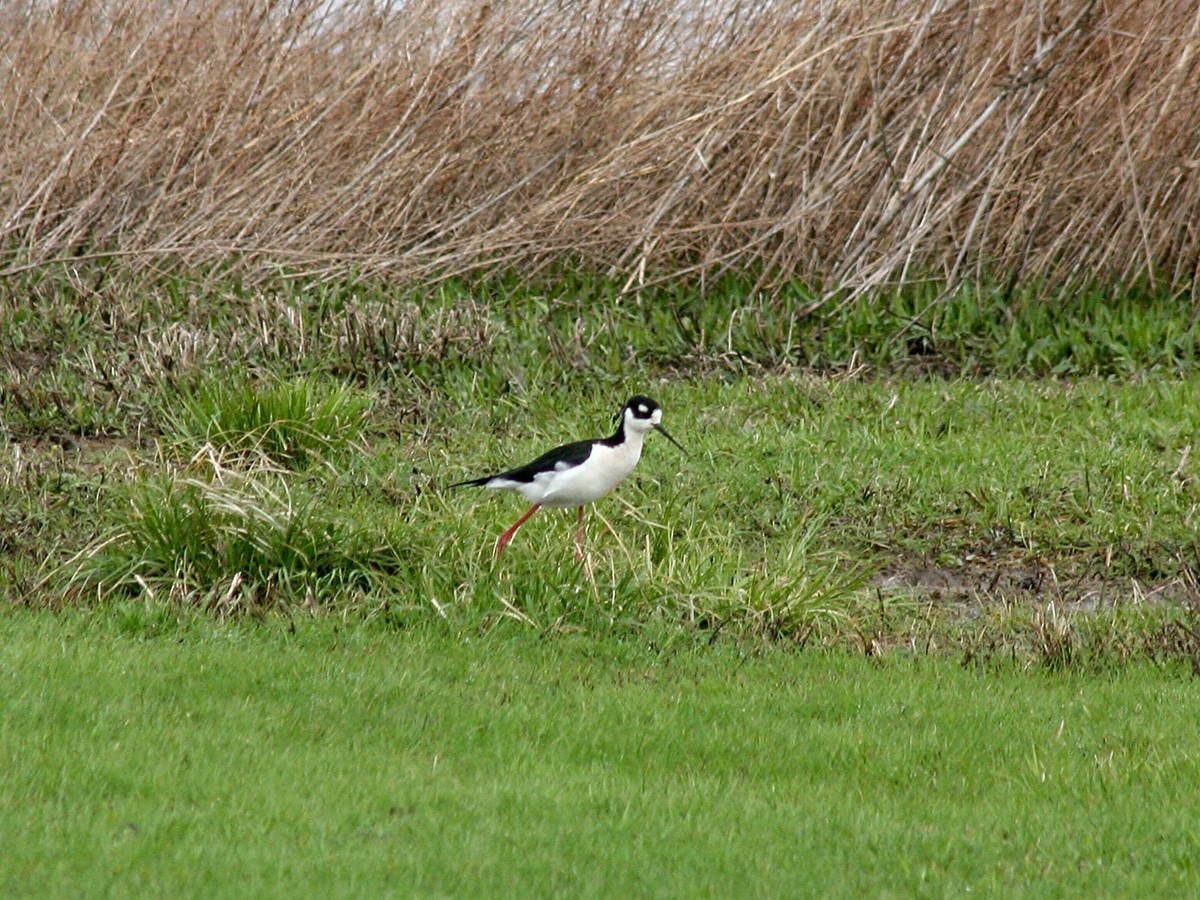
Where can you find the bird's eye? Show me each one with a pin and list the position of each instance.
(642, 410)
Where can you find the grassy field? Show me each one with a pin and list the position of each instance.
(146, 756)
(915, 613)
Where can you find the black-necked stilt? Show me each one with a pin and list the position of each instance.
(582, 472)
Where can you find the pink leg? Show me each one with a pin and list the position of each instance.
(579, 536)
(507, 536)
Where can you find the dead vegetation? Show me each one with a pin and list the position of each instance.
(844, 144)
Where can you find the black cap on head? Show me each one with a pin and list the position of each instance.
(641, 406)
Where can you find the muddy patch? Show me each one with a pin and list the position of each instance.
(1008, 581)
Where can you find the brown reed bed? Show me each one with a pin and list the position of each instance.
(844, 144)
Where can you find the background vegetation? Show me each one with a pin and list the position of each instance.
(845, 145)
(266, 265)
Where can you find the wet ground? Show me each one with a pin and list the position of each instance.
(1010, 581)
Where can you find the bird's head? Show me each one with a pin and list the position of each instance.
(641, 414)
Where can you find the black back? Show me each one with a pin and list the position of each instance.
(572, 454)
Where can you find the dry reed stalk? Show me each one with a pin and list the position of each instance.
(847, 144)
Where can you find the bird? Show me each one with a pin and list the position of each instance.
(580, 472)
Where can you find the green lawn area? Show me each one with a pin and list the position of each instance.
(139, 756)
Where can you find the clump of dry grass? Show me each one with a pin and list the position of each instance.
(845, 144)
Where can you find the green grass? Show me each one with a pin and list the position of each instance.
(232, 546)
(142, 754)
(917, 612)
(871, 514)
(292, 423)
(120, 360)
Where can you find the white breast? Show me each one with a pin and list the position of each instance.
(587, 482)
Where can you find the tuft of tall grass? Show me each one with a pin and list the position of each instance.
(799, 593)
(233, 546)
(850, 145)
(290, 422)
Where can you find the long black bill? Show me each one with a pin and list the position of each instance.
(667, 435)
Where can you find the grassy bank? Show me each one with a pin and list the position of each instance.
(894, 474)
(1048, 520)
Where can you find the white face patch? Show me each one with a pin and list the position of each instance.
(643, 410)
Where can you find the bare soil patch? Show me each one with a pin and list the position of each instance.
(1009, 581)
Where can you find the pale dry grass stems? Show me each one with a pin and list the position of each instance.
(846, 144)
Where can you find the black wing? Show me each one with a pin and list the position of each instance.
(572, 454)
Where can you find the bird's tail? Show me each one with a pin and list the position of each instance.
(474, 482)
